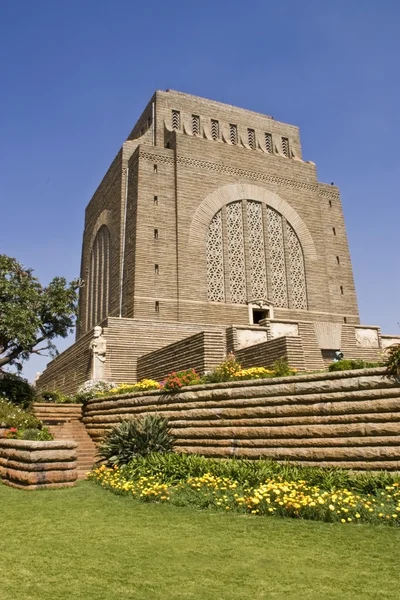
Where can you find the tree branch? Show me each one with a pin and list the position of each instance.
(39, 350)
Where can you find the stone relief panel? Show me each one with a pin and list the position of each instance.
(329, 335)
(388, 341)
(366, 338)
(249, 337)
(284, 329)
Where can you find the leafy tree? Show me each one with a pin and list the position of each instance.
(16, 389)
(32, 316)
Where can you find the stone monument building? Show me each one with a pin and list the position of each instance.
(210, 233)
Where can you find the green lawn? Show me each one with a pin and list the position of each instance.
(86, 543)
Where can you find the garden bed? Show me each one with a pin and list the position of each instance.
(262, 488)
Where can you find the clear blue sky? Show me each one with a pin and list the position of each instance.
(75, 76)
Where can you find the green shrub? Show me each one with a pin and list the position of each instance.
(350, 364)
(174, 381)
(137, 437)
(16, 389)
(14, 416)
(281, 368)
(57, 398)
(224, 372)
(37, 435)
(392, 362)
(48, 396)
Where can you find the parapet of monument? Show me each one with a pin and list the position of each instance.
(210, 221)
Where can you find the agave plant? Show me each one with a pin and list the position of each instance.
(136, 437)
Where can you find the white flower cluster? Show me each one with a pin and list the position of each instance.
(96, 385)
(13, 416)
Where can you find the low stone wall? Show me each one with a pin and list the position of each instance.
(35, 465)
(53, 413)
(345, 419)
(266, 353)
(202, 352)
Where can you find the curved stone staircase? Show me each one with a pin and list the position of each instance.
(65, 423)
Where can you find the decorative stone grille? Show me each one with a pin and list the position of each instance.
(285, 147)
(257, 250)
(233, 134)
(235, 264)
(176, 119)
(215, 261)
(277, 258)
(237, 268)
(296, 270)
(195, 125)
(214, 129)
(251, 135)
(268, 142)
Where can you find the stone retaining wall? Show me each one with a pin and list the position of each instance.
(346, 419)
(266, 353)
(33, 465)
(203, 352)
(53, 412)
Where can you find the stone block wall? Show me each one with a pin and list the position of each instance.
(53, 413)
(266, 353)
(201, 352)
(33, 465)
(68, 371)
(127, 340)
(352, 348)
(348, 419)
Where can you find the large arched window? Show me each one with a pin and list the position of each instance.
(98, 280)
(254, 252)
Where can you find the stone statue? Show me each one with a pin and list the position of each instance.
(98, 348)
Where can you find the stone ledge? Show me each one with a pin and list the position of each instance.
(27, 464)
(40, 486)
(35, 445)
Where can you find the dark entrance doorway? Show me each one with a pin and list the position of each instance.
(259, 314)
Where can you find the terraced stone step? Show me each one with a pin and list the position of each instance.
(64, 422)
